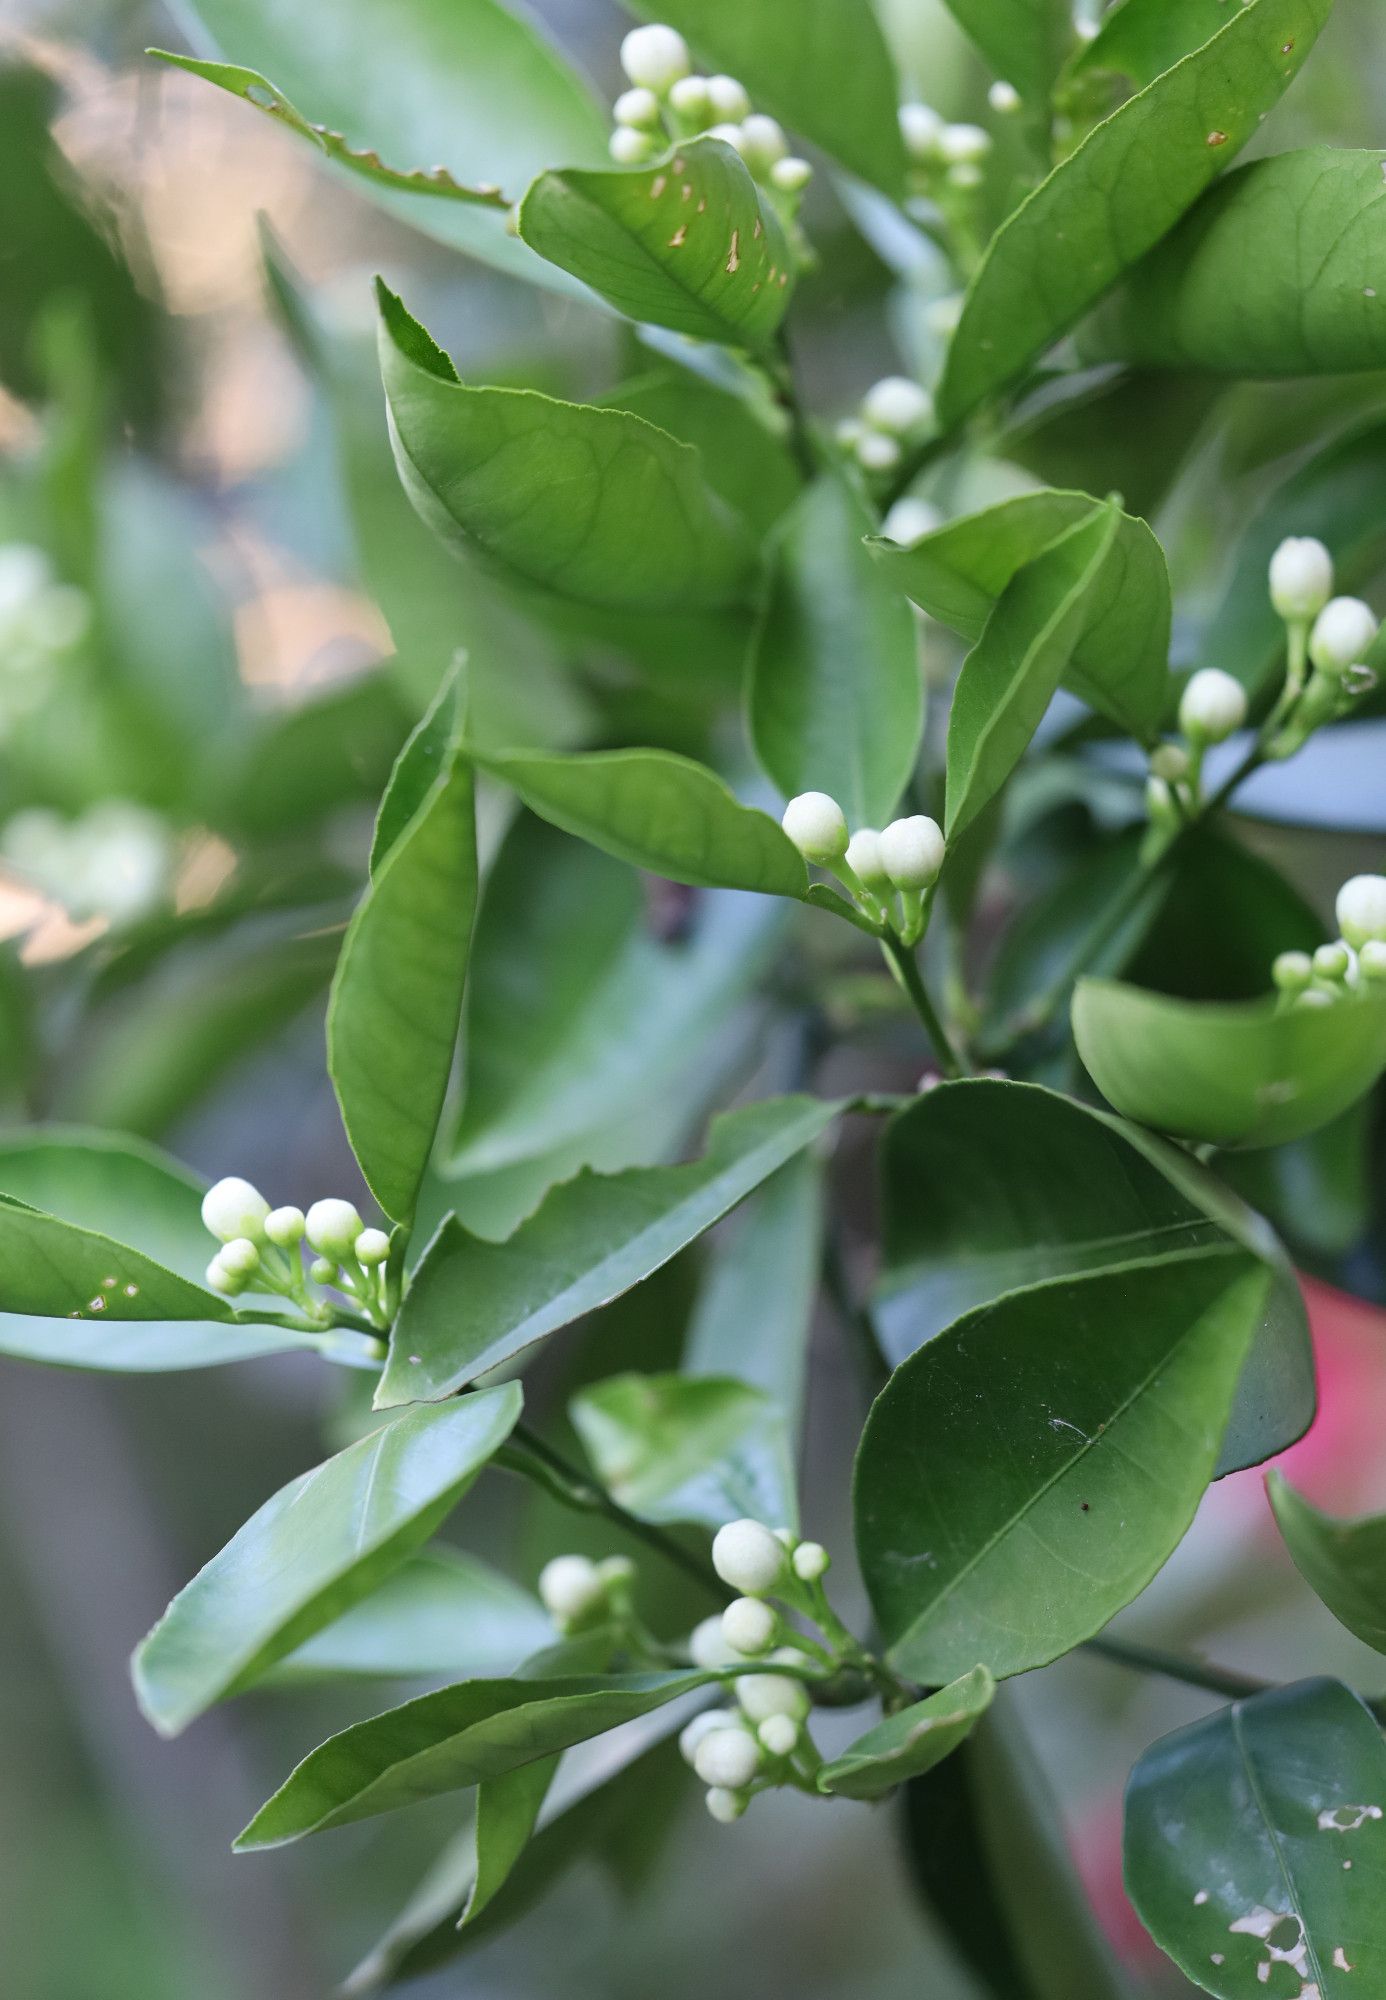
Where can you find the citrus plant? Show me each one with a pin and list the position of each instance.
(846, 671)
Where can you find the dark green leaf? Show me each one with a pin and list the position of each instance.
(1344, 1562)
(1025, 41)
(56, 1270)
(320, 1545)
(746, 459)
(1097, 1450)
(1123, 188)
(670, 1449)
(473, 1304)
(1255, 1841)
(1141, 39)
(836, 694)
(911, 1742)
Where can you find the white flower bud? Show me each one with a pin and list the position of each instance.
(967, 174)
(864, 858)
(628, 147)
(728, 1758)
(240, 1257)
(1333, 962)
(1004, 99)
(323, 1271)
(691, 98)
(764, 1695)
(913, 851)
(1361, 909)
(615, 1572)
(705, 1724)
(779, 1734)
(707, 1644)
(730, 135)
(877, 453)
(749, 1626)
(372, 1247)
(897, 405)
(848, 432)
(786, 1538)
(232, 1208)
(1212, 706)
(942, 315)
(818, 828)
(655, 56)
(726, 1807)
(791, 175)
(1170, 762)
(744, 1553)
(285, 1227)
(569, 1587)
(1301, 577)
(811, 1560)
(1343, 635)
(1292, 971)
(1371, 960)
(763, 140)
(222, 1280)
(920, 128)
(637, 107)
(1317, 996)
(728, 98)
(332, 1227)
(910, 519)
(963, 145)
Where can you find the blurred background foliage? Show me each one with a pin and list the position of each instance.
(243, 618)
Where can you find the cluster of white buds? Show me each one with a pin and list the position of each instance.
(1330, 640)
(578, 1593)
(263, 1250)
(1350, 963)
(667, 102)
(41, 621)
(114, 861)
(1212, 707)
(949, 157)
(895, 413)
(903, 861)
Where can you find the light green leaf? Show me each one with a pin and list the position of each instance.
(745, 453)
(443, 1742)
(52, 1268)
(1255, 1841)
(826, 72)
(320, 1545)
(462, 84)
(1025, 41)
(397, 996)
(1097, 1450)
(911, 1742)
(1277, 271)
(474, 1304)
(592, 504)
(685, 243)
(836, 694)
(1140, 39)
(657, 811)
(1343, 1562)
(1123, 188)
(673, 1449)
(1233, 1075)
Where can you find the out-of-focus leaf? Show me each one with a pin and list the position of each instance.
(1025, 41)
(1343, 1562)
(1141, 39)
(710, 1450)
(910, 1742)
(306, 762)
(745, 461)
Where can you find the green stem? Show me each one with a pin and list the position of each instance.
(1174, 1667)
(906, 968)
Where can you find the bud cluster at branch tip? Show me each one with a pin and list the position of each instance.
(895, 414)
(1350, 964)
(1329, 643)
(263, 1249)
(888, 873)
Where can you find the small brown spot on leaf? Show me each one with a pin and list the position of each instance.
(702, 205)
(658, 185)
(1285, 47)
(734, 254)
(678, 164)
(676, 241)
(687, 191)
(756, 232)
(1217, 138)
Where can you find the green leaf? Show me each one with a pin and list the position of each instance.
(1141, 39)
(54, 1269)
(442, 1613)
(464, 84)
(836, 694)
(911, 1742)
(1255, 1840)
(1097, 1452)
(396, 1000)
(591, 504)
(1013, 672)
(1113, 198)
(827, 74)
(657, 811)
(1119, 662)
(685, 243)
(1343, 1562)
(1275, 272)
(446, 1741)
(474, 1304)
(673, 1449)
(1232, 1075)
(989, 1187)
(1025, 41)
(320, 1545)
(746, 457)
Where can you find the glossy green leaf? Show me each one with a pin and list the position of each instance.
(989, 1187)
(657, 811)
(1097, 1405)
(1118, 193)
(462, 84)
(450, 1740)
(686, 242)
(591, 504)
(673, 1449)
(826, 73)
(1013, 672)
(1256, 1845)
(60, 1271)
(1343, 1562)
(1119, 663)
(474, 1304)
(910, 1742)
(1025, 41)
(397, 996)
(745, 451)
(1141, 39)
(1275, 272)
(1232, 1075)
(836, 694)
(320, 1545)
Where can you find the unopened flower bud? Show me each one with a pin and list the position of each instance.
(615, 1572)
(569, 1588)
(637, 107)
(232, 1208)
(725, 1806)
(749, 1626)
(791, 175)
(1343, 635)
(764, 1695)
(1004, 99)
(1212, 706)
(818, 828)
(1316, 997)
(963, 145)
(705, 1724)
(779, 1734)
(1361, 909)
(707, 1644)
(728, 1758)
(1170, 762)
(655, 56)
(897, 405)
(1292, 971)
(285, 1227)
(876, 452)
(332, 1227)
(629, 147)
(1160, 807)
(730, 135)
(1371, 960)
(864, 858)
(1332, 962)
(811, 1560)
(323, 1271)
(913, 851)
(763, 140)
(728, 98)
(372, 1247)
(920, 128)
(1301, 578)
(746, 1555)
(222, 1280)
(240, 1257)
(910, 519)
(966, 174)
(691, 99)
